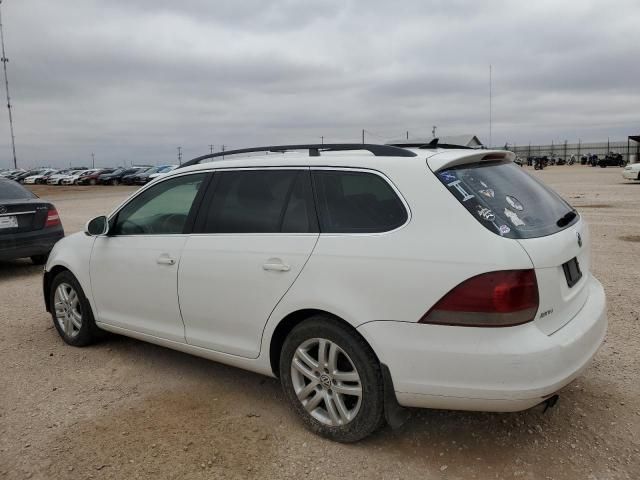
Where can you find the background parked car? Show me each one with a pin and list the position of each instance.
(57, 177)
(92, 178)
(162, 172)
(19, 176)
(40, 178)
(115, 177)
(142, 178)
(611, 159)
(73, 179)
(130, 179)
(29, 227)
(631, 172)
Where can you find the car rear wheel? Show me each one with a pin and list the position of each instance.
(114, 181)
(332, 379)
(71, 312)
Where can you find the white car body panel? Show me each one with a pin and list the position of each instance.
(147, 301)
(381, 284)
(218, 311)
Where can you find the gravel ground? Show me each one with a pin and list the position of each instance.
(126, 409)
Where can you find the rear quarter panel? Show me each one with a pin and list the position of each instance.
(400, 274)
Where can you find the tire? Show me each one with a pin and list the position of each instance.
(92, 181)
(114, 182)
(354, 360)
(77, 332)
(39, 259)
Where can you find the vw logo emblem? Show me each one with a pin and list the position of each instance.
(579, 239)
(3, 209)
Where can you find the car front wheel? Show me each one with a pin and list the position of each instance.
(333, 380)
(71, 312)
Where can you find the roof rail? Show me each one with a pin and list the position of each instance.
(432, 144)
(314, 150)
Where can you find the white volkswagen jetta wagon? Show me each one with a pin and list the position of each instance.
(366, 277)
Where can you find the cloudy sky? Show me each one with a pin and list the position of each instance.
(132, 79)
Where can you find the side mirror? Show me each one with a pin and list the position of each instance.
(97, 226)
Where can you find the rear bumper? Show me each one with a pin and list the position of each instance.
(39, 242)
(487, 369)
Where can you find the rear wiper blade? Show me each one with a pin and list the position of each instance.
(567, 218)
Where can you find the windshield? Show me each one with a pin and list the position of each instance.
(507, 200)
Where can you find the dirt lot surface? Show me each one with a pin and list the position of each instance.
(125, 409)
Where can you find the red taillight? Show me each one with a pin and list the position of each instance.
(53, 218)
(494, 299)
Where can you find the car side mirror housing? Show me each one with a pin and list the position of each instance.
(97, 226)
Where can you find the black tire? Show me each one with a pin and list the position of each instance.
(92, 181)
(370, 416)
(39, 259)
(114, 182)
(88, 333)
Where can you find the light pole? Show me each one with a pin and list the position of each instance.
(6, 85)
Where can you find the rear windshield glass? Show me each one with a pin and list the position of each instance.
(507, 200)
(9, 190)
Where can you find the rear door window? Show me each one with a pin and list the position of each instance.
(261, 201)
(356, 202)
(507, 200)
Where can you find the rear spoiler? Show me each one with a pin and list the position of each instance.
(454, 158)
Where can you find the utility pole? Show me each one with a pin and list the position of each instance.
(93, 160)
(6, 85)
(363, 136)
(433, 131)
(179, 155)
(211, 149)
(407, 134)
(223, 148)
(490, 106)
(322, 140)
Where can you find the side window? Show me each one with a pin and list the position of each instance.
(356, 202)
(261, 201)
(162, 209)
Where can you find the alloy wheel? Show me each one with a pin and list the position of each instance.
(67, 310)
(326, 382)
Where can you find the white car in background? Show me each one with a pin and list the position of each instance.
(71, 179)
(40, 178)
(631, 171)
(164, 171)
(407, 277)
(58, 177)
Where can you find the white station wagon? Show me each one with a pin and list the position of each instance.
(368, 278)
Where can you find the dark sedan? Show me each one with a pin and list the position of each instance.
(29, 226)
(92, 178)
(130, 179)
(115, 177)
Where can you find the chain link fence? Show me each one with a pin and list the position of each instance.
(630, 151)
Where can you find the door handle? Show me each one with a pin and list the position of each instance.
(276, 267)
(165, 260)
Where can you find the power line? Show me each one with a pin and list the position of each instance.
(6, 84)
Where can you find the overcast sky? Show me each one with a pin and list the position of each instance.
(132, 79)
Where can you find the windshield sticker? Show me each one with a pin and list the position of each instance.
(447, 176)
(513, 217)
(486, 214)
(488, 192)
(514, 203)
(504, 229)
(463, 192)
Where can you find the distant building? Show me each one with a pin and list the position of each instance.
(462, 140)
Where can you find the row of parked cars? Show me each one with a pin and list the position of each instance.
(138, 175)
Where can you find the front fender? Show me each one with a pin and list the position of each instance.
(72, 253)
